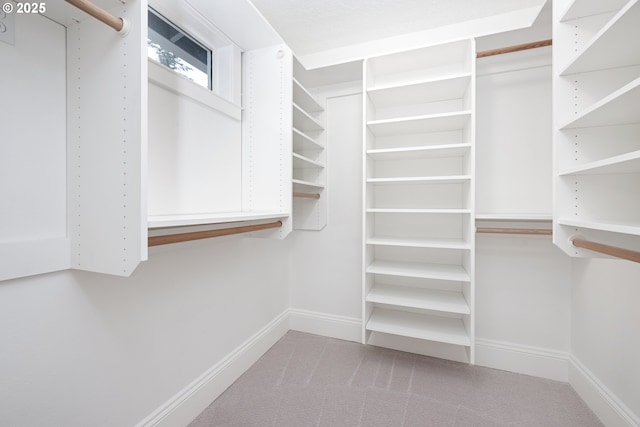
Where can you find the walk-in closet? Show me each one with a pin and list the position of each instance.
(320, 213)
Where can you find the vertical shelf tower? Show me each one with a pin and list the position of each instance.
(596, 123)
(418, 273)
(309, 157)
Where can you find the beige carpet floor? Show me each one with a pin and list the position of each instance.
(307, 380)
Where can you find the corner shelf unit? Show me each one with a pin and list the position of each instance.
(418, 207)
(309, 156)
(596, 123)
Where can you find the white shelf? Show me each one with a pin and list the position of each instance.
(454, 179)
(431, 328)
(420, 92)
(304, 121)
(303, 142)
(417, 242)
(615, 45)
(420, 152)
(582, 8)
(620, 107)
(424, 299)
(448, 272)
(625, 227)
(178, 220)
(307, 184)
(419, 211)
(523, 217)
(420, 124)
(302, 162)
(624, 163)
(304, 99)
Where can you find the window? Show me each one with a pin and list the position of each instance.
(173, 48)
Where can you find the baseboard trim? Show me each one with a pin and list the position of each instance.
(539, 362)
(187, 404)
(328, 325)
(606, 405)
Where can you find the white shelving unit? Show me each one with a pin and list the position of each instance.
(309, 157)
(419, 197)
(597, 123)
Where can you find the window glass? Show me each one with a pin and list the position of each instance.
(173, 48)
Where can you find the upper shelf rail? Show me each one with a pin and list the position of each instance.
(100, 14)
(515, 48)
(607, 250)
(198, 235)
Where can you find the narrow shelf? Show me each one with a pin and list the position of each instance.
(625, 227)
(303, 142)
(420, 92)
(582, 8)
(307, 184)
(431, 328)
(420, 152)
(419, 270)
(424, 299)
(302, 162)
(618, 108)
(304, 99)
(178, 220)
(305, 122)
(523, 217)
(615, 45)
(454, 179)
(420, 124)
(624, 163)
(414, 242)
(420, 211)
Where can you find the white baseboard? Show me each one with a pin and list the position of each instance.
(606, 405)
(328, 325)
(187, 404)
(522, 359)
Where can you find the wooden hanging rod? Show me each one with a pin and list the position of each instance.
(99, 13)
(532, 231)
(307, 195)
(516, 48)
(607, 250)
(197, 235)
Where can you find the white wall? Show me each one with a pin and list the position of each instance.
(605, 336)
(82, 349)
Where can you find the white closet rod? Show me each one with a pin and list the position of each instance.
(532, 231)
(100, 14)
(607, 250)
(198, 235)
(515, 48)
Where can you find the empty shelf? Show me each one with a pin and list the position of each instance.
(419, 270)
(307, 184)
(420, 124)
(420, 92)
(615, 45)
(425, 299)
(624, 163)
(420, 210)
(626, 227)
(304, 99)
(301, 162)
(178, 220)
(304, 122)
(432, 328)
(414, 242)
(455, 179)
(618, 108)
(420, 152)
(582, 8)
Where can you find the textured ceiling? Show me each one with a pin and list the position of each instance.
(311, 26)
